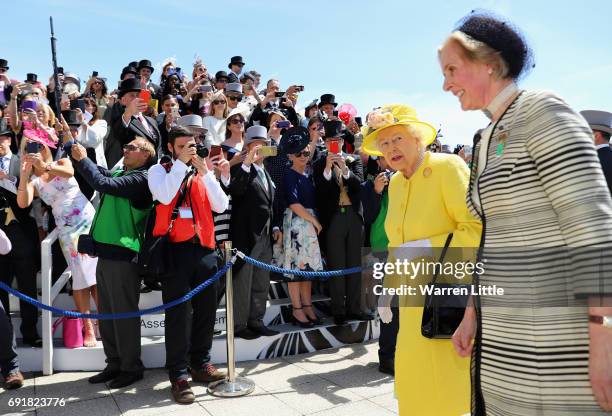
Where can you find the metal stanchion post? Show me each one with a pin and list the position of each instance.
(232, 386)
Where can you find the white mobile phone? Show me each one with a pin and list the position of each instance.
(87, 116)
(467, 150)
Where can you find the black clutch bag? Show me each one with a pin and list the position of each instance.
(86, 245)
(442, 313)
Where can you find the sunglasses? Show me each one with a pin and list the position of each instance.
(218, 102)
(236, 121)
(305, 153)
(233, 98)
(131, 148)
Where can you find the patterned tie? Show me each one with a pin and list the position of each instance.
(262, 178)
(2, 165)
(145, 124)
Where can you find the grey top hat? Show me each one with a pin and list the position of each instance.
(598, 120)
(234, 87)
(192, 121)
(256, 133)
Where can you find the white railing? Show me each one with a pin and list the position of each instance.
(49, 293)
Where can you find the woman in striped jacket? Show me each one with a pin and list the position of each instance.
(545, 347)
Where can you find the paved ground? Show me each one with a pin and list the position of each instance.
(334, 382)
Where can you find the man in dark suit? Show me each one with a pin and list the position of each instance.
(21, 231)
(338, 178)
(235, 67)
(252, 192)
(601, 124)
(132, 123)
(145, 70)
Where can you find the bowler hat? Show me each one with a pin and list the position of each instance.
(145, 63)
(4, 64)
(221, 74)
(333, 129)
(294, 140)
(254, 133)
(598, 120)
(31, 78)
(328, 99)
(129, 85)
(236, 60)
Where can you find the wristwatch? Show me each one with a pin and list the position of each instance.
(605, 321)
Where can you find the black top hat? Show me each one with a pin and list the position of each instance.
(145, 63)
(236, 60)
(328, 99)
(294, 140)
(134, 64)
(31, 78)
(60, 69)
(71, 117)
(128, 70)
(5, 130)
(129, 85)
(4, 64)
(221, 74)
(333, 128)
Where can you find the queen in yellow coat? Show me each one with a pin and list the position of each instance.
(427, 202)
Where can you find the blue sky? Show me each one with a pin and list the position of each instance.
(366, 52)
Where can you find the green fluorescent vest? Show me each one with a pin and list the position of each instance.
(118, 223)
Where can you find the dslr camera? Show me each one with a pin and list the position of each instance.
(201, 150)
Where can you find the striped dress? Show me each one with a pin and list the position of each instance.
(542, 190)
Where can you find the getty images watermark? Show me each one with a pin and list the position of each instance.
(407, 269)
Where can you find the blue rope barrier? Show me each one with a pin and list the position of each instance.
(301, 273)
(188, 296)
(124, 315)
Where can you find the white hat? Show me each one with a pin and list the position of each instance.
(191, 121)
(598, 120)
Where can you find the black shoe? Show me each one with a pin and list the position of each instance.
(360, 316)
(387, 367)
(263, 330)
(339, 319)
(33, 342)
(317, 320)
(247, 333)
(124, 379)
(301, 324)
(104, 376)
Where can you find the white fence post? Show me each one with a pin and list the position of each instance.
(46, 269)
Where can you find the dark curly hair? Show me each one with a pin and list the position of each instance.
(502, 36)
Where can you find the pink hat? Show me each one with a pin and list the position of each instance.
(39, 136)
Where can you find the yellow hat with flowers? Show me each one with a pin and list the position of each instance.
(394, 115)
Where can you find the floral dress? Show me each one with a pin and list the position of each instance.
(73, 215)
(300, 244)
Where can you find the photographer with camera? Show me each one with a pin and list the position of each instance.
(252, 191)
(115, 238)
(190, 178)
(132, 123)
(275, 99)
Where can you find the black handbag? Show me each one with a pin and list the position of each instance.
(154, 259)
(443, 313)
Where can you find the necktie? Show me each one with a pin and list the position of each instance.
(2, 165)
(262, 178)
(145, 124)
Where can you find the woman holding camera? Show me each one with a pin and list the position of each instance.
(54, 183)
(299, 248)
(234, 138)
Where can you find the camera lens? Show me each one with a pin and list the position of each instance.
(201, 150)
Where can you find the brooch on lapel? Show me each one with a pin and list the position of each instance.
(502, 143)
(427, 172)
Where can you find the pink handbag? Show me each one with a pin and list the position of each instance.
(72, 331)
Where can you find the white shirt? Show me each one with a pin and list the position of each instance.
(327, 173)
(93, 137)
(215, 129)
(164, 185)
(602, 146)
